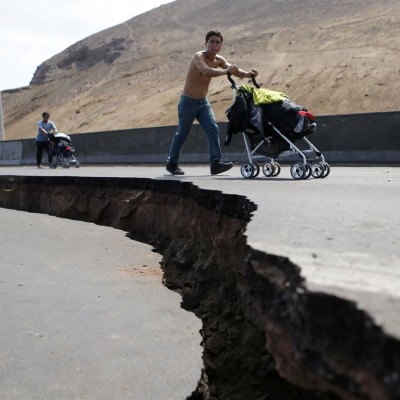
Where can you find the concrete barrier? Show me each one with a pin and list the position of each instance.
(361, 139)
(11, 152)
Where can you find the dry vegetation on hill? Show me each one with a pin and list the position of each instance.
(333, 56)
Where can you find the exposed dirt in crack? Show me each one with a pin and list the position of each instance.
(265, 336)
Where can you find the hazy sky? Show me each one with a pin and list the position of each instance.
(32, 31)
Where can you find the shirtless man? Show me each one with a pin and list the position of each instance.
(194, 104)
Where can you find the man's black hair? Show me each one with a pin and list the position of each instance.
(214, 33)
(45, 114)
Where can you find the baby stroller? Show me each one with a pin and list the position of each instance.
(271, 124)
(63, 152)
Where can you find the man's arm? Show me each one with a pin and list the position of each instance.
(41, 129)
(225, 67)
(205, 69)
(244, 74)
(53, 128)
(236, 71)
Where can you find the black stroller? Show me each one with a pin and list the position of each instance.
(63, 152)
(271, 124)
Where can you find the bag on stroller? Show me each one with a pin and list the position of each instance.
(271, 123)
(63, 152)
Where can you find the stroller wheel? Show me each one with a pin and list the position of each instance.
(257, 170)
(247, 170)
(298, 170)
(66, 164)
(77, 165)
(268, 169)
(327, 170)
(317, 169)
(277, 169)
(308, 171)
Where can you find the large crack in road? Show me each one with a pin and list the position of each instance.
(265, 335)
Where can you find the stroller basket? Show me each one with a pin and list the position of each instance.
(272, 125)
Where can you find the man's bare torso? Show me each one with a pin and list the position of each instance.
(197, 84)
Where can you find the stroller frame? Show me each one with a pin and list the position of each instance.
(319, 168)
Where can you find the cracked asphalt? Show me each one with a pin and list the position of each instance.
(342, 231)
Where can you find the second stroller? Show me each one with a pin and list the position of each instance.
(63, 152)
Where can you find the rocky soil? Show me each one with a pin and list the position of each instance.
(332, 56)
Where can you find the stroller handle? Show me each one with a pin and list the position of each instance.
(233, 83)
(255, 83)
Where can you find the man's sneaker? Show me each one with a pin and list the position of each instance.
(174, 169)
(217, 167)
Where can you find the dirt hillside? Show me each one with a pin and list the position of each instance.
(332, 56)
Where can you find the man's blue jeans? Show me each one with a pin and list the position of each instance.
(188, 110)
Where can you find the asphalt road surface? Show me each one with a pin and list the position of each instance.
(84, 315)
(342, 231)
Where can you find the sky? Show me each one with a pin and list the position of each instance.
(32, 31)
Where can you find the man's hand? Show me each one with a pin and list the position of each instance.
(253, 73)
(233, 70)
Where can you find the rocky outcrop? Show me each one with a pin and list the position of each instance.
(81, 57)
(265, 336)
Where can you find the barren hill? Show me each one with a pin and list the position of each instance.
(333, 56)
